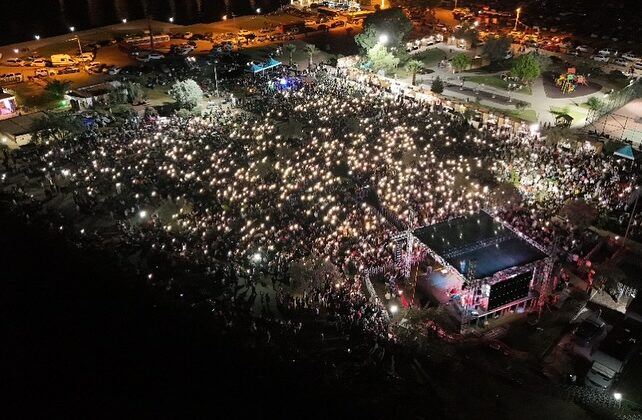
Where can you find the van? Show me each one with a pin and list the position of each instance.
(58, 60)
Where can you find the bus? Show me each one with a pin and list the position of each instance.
(143, 41)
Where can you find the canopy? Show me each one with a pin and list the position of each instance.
(271, 63)
(626, 152)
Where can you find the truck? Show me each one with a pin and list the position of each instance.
(612, 355)
(59, 60)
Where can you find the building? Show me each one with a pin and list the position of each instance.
(487, 268)
(8, 106)
(17, 131)
(86, 97)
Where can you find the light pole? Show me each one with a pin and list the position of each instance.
(618, 399)
(171, 19)
(76, 38)
(216, 77)
(72, 29)
(37, 37)
(519, 10)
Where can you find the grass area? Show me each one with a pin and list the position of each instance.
(578, 113)
(430, 57)
(495, 67)
(497, 82)
(527, 115)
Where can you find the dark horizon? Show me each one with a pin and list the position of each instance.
(54, 17)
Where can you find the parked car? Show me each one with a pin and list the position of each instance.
(39, 62)
(583, 48)
(630, 56)
(85, 57)
(68, 70)
(155, 56)
(45, 72)
(114, 70)
(601, 58)
(621, 62)
(15, 62)
(188, 35)
(604, 51)
(93, 67)
(588, 330)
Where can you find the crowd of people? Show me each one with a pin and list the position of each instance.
(220, 206)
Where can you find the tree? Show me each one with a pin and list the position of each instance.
(135, 92)
(413, 66)
(310, 50)
(437, 86)
(526, 67)
(290, 48)
(56, 126)
(467, 33)
(187, 93)
(390, 22)
(56, 89)
(461, 61)
(594, 103)
(382, 59)
(497, 48)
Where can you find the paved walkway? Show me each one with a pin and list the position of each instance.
(500, 98)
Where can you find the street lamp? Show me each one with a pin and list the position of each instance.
(519, 10)
(37, 37)
(618, 398)
(383, 39)
(16, 51)
(171, 20)
(124, 20)
(224, 17)
(72, 28)
(258, 11)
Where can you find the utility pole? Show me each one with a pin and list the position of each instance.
(151, 34)
(635, 206)
(216, 77)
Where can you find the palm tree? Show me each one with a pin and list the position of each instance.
(413, 66)
(594, 103)
(310, 50)
(57, 89)
(290, 48)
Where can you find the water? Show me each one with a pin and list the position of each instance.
(21, 20)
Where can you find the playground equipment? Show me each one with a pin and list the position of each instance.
(568, 82)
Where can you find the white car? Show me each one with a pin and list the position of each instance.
(601, 58)
(604, 51)
(630, 56)
(155, 56)
(39, 62)
(638, 65)
(114, 70)
(45, 72)
(582, 48)
(620, 62)
(15, 62)
(92, 67)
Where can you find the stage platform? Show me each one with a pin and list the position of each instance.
(478, 238)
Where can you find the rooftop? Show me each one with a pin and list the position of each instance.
(478, 237)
